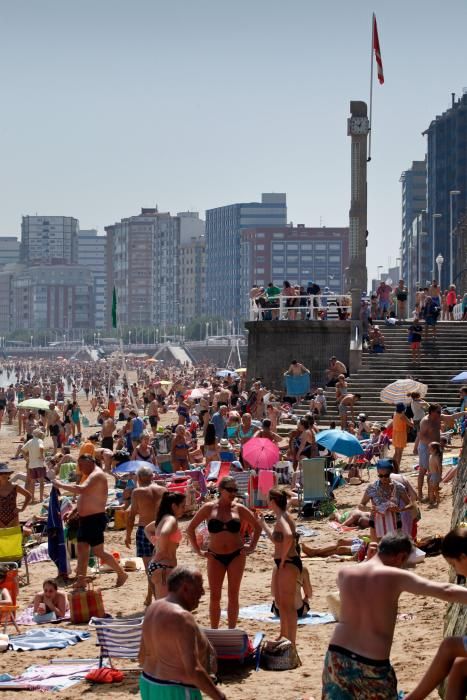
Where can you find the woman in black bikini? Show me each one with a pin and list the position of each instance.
(227, 551)
(287, 560)
(144, 451)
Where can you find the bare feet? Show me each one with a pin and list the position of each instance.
(121, 578)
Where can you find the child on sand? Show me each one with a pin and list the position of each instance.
(435, 469)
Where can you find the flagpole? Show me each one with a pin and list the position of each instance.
(371, 85)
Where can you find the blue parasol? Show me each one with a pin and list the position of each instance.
(340, 441)
(461, 377)
(132, 467)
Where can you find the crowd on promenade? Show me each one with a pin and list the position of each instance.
(192, 429)
(387, 303)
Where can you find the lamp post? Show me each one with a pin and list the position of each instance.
(452, 193)
(129, 338)
(433, 243)
(439, 262)
(31, 340)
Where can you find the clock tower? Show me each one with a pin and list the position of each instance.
(358, 128)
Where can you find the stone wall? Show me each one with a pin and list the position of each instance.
(273, 344)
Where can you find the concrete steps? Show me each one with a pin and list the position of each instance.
(440, 360)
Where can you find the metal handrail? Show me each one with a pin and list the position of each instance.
(316, 307)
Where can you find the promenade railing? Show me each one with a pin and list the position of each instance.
(314, 307)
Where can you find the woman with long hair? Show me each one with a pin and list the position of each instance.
(211, 446)
(227, 520)
(166, 536)
(286, 560)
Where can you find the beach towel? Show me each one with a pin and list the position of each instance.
(214, 468)
(39, 553)
(297, 386)
(47, 638)
(26, 617)
(52, 677)
(385, 523)
(340, 528)
(262, 613)
(266, 482)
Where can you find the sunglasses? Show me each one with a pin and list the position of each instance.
(384, 476)
(231, 489)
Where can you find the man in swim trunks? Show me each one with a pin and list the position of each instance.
(430, 431)
(145, 500)
(91, 504)
(357, 661)
(174, 653)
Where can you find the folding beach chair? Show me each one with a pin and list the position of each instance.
(313, 480)
(235, 645)
(8, 610)
(242, 480)
(12, 550)
(223, 471)
(118, 638)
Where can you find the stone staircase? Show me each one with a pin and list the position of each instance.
(441, 359)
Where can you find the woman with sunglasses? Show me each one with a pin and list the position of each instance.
(227, 522)
(388, 500)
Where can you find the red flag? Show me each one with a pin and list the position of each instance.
(377, 51)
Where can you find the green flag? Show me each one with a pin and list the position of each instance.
(114, 308)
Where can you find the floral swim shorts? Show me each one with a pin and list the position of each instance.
(347, 675)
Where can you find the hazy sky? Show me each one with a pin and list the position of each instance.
(110, 105)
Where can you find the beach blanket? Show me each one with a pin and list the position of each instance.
(305, 531)
(26, 617)
(39, 553)
(297, 386)
(47, 638)
(340, 528)
(52, 677)
(262, 613)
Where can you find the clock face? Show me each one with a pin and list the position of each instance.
(358, 125)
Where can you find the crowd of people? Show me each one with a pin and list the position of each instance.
(193, 419)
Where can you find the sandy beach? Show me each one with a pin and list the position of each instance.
(417, 635)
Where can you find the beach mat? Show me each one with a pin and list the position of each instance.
(26, 617)
(262, 613)
(51, 677)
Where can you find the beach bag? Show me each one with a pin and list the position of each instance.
(86, 603)
(105, 675)
(279, 656)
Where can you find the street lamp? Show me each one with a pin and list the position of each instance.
(439, 262)
(129, 338)
(31, 340)
(452, 193)
(433, 243)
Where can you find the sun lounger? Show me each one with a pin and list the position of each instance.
(118, 638)
(234, 645)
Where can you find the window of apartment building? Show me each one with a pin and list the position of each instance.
(260, 235)
(306, 258)
(292, 258)
(292, 271)
(278, 246)
(278, 270)
(334, 258)
(320, 246)
(292, 246)
(259, 259)
(278, 258)
(306, 246)
(259, 270)
(259, 246)
(278, 235)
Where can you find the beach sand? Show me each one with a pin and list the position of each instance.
(416, 638)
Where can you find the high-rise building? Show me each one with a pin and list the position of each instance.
(49, 239)
(9, 250)
(191, 226)
(92, 255)
(142, 265)
(6, 302)
(294, 253)
(414, 192)
(59, 297)
(192, 278)
(224, 226)
(447, 183)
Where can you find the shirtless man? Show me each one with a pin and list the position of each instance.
(335, 368)
(357, 661)
(145, 499)
(174, 652)
(348, 402)
(296, 369)
(53, 424)
(107, 430)
(153, 412)
(91, 504)
(430, 431)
